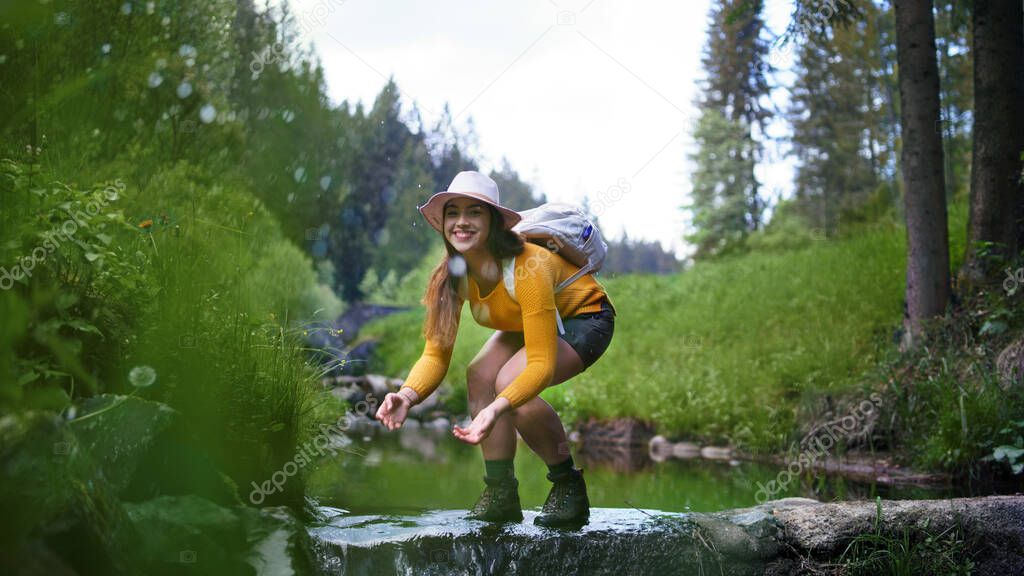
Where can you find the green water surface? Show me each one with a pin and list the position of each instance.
(413, 470)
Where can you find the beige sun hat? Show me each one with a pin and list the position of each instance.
(474, 185)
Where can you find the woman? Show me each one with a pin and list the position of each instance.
(525, 355)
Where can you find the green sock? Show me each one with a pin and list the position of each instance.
(500, 468)
(561, 467)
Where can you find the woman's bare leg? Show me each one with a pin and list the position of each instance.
(536, 421)
(481, 374)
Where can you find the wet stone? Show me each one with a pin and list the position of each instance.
(615, 541)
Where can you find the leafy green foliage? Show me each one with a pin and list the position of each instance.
(1012, 455)
(190, 295)
(69, 288)
(194, 269)
(947, 398)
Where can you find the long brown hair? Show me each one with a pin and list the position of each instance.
(441, 297)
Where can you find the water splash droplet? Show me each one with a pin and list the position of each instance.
(142, 376)
(207, 114)
(184, 90)
(325, 183)
(105, 48)
(457, 265)
(298, 174)
(155, 79)
(126, 8)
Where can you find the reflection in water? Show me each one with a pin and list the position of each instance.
(416, 469)
(618, 458)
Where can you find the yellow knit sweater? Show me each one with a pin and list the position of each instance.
(537, 272)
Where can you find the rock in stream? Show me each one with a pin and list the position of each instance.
(788, 536)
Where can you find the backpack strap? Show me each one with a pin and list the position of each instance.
(508, 272)
(509, 276)
(576, 276)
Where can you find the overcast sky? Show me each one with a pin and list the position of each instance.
(584, 97)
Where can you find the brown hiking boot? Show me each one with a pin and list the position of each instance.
(567, 503)
(499, 501)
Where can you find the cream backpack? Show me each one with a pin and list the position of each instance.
(565, 230)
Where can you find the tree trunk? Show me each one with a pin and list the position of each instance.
(997, 196)
(924, 189)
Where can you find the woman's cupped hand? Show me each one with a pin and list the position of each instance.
(393, 410)
(479, 429)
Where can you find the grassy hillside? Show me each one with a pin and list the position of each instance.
(725, 350)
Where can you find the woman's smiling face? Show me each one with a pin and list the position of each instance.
(467, 222)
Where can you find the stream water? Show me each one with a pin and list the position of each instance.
(417, 469)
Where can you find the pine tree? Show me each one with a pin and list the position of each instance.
(722, 185)
(725, 201)
(364, 210)
(837, 112)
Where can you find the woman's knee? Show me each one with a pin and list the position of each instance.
(484, 369)
(479, 378)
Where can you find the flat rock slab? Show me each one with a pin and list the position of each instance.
(778, 537)
(615, 541)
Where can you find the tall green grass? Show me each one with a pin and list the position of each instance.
(233, 294)
(188, 275)
(726, 350)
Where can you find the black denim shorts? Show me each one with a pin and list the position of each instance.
(590, 334)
